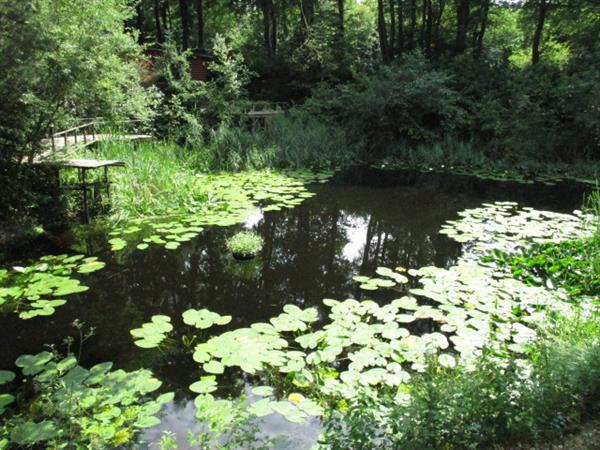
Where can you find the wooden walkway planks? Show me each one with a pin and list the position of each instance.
(92, 163)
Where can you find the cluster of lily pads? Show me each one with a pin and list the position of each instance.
(38, 289)
(549, 177)
(506, 227)
(227, 199)
(66, 403)
(450, 319)
(391, 279)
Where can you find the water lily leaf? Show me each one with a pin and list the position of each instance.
(261, 408)
(206, 385)
(213, 367)
(263, 391)
(289, 411)
(5, 400)
(6, 376)
(29, 433)
(204, 318)
(33, 364)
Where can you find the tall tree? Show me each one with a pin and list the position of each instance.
(160, 37)
(483, 22)
(269, 26)
(462, 25)
(382, 31)
(542, 10)
(341, 12)
(413, 24)
(200, 20)
(400, 21)
(184, 12)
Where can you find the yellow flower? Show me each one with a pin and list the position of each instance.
(295, 398)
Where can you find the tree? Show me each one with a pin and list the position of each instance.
(462, 25)
(542, 10)
(75, 59)
(184, 12)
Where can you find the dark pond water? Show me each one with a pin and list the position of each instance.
(361, 220)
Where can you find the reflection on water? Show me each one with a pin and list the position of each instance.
(361, 220)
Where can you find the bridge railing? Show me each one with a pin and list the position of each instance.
(78, 132)
(88, 130)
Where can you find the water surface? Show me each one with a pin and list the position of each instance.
(362, 219)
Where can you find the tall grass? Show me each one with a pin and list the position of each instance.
(293, 140)
(158, 178)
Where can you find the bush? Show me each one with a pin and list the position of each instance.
(408, 102)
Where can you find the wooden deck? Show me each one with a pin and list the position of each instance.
(92, 163)
(57, 149)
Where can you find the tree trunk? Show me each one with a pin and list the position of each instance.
(166, 16)
(266, 27)
(413, 24)
(160, 37)
(537, 36)
(139, 22)
(200, 18)
(269, 27)
(341, 13)
(423, 24)
(400, 27)
(185, 24)
(392, 41)
(482, 27)
(429, 28)
(462, 25)
(381, 29)
(438, 26)
(273, 15)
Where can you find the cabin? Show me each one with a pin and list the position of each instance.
(198, 66)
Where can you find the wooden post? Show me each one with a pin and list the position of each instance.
(106, 182)
(86, 213)
(52, 140)
(84, 136)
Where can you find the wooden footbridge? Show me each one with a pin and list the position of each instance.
(58, 148)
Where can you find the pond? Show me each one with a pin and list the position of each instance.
(360, 220)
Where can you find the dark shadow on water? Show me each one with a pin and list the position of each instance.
(363, 219)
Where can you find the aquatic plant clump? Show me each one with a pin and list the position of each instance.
(38, 289)
(245, 244)
(66, 403)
